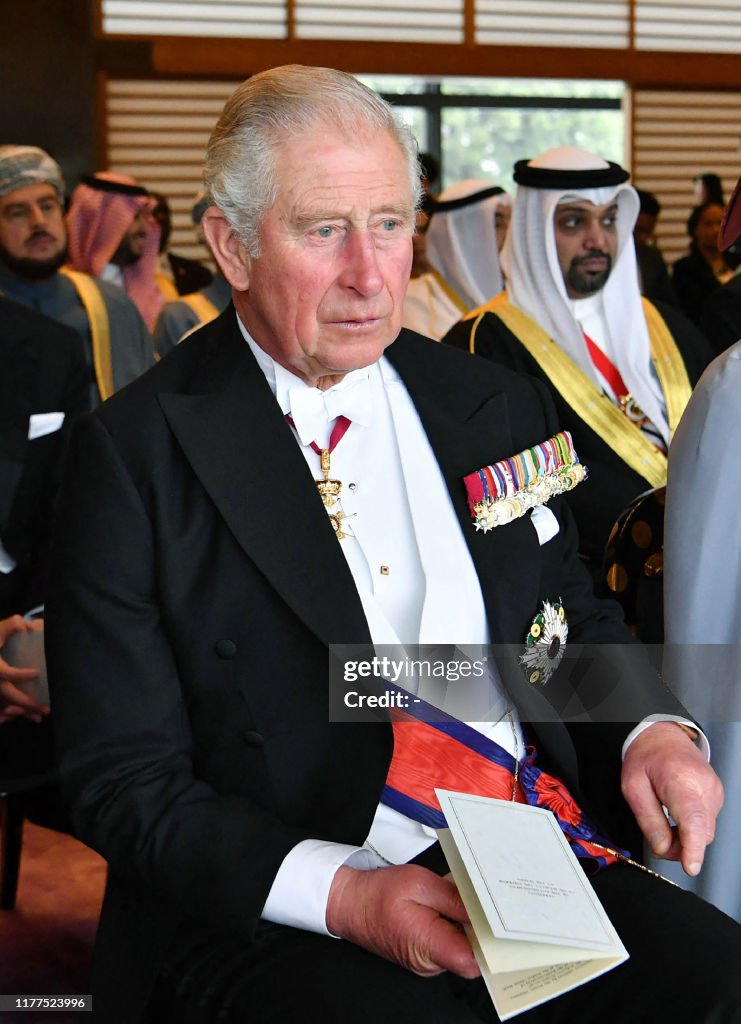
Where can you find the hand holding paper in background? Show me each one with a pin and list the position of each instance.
(23, 687)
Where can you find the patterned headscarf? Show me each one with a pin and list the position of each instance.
(535, 281)
(28, 165)
(102, 209)
(462, 241)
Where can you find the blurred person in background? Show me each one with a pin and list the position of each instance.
(708, 188)
(199, 307)
(705, 268)
(114, 237)
(468, 225)
(431, 307)
(34, 272)
(186, 275)
(653, 272)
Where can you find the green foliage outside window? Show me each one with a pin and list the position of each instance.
(486, 141)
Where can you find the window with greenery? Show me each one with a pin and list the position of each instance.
(479, 128)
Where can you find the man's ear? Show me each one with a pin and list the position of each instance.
(228, 251)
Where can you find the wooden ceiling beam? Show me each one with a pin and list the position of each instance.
(238, 58)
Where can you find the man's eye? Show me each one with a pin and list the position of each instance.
(389, 225)
(325, 231)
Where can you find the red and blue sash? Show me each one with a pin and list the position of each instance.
(433, 750)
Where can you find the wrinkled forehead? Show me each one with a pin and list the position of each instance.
(339, 167)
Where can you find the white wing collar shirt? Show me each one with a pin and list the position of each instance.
(427, 593)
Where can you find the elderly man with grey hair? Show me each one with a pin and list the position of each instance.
(33, 272)
(294, 476)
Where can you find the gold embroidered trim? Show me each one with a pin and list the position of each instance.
(100, 331)
(669, 365)
(203, 308)
(586, 399)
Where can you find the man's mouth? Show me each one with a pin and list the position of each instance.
(357, 323)
(595, 262)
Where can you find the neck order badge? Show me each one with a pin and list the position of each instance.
(329, 490)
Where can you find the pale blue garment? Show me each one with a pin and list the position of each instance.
(702, 603)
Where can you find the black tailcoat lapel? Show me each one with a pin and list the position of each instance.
(245, 455)
(238, 443)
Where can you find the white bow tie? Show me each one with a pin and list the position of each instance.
(313, 410)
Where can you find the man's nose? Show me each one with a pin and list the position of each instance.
(361, 270)
(596, 236)
(38, 215)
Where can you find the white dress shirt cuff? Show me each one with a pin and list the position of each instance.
(7, 562)
(298, 897)
(701, 742)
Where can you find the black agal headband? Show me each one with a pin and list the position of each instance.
(558, 178)
(446, 205)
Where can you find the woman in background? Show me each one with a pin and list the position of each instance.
(706, 268)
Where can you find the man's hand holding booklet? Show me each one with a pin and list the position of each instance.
(537, 927)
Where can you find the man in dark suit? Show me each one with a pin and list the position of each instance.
(200, 580)
(43, 389)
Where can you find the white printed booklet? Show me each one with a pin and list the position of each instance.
(537, 927)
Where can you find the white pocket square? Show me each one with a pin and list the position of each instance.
(41, 423)
(545, 523)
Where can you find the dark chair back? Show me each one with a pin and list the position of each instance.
(634, 565)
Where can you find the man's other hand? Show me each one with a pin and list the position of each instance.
(14, 703)
(406, 914)
(663, 766)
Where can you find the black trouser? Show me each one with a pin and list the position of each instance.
(685, 966)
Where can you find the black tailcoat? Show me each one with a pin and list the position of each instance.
(196, 588)
(42, 370)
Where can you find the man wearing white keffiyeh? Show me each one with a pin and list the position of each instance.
(572, 315)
